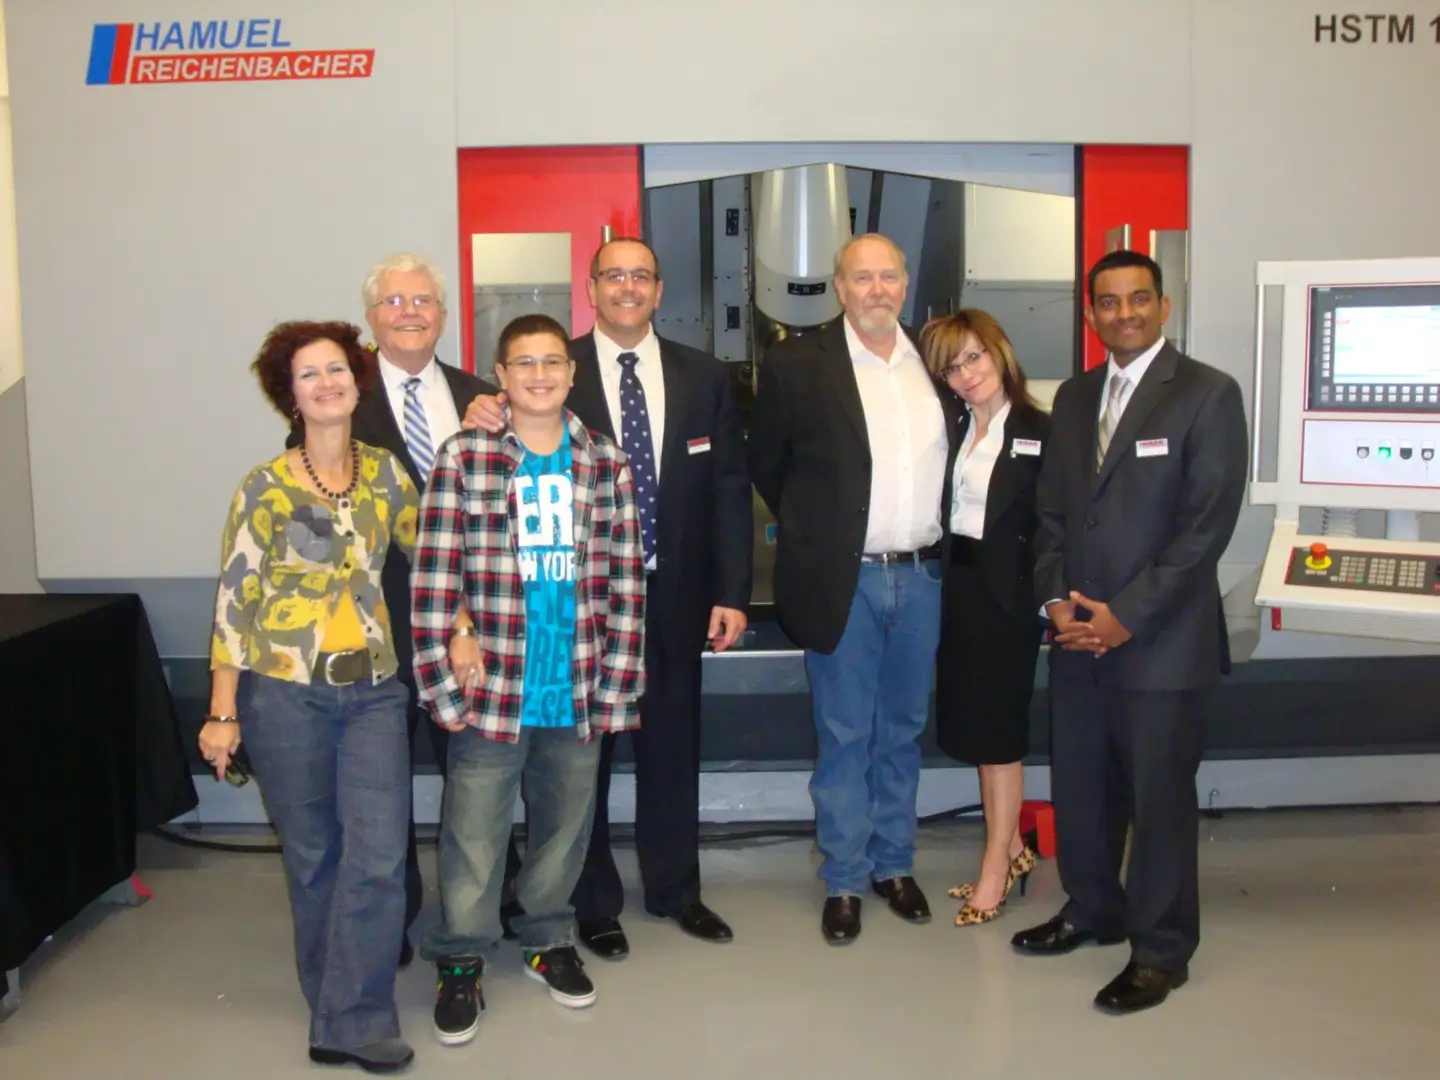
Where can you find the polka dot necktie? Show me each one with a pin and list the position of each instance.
(639, 446)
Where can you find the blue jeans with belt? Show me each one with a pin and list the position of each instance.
(333, 766)
(871, 699)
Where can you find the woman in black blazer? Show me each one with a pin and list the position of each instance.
(990, 624)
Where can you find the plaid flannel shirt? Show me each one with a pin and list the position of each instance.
(465, 555)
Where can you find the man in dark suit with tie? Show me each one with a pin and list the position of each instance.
(848, 448)
(416, 405)
(671, 408)
(1138, 497)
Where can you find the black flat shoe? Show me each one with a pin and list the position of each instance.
(905, 898)
(604, 938)
(385, 1056)
(1139, 987)
(1057, 937)
(840, 919)
(699, 921)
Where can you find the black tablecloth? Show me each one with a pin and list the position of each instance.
(90, 756)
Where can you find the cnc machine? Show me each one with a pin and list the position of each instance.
(1358, 427)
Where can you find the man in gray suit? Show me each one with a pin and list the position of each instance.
(1138, 497)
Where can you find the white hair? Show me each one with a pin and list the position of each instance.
(403, 263)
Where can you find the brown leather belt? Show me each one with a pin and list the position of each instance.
(343, 668)
(891, 558)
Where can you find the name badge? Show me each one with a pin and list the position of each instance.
(698, 446)
(1152, 447)
(1028, 447)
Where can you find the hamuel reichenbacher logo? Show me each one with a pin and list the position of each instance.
(215, 50)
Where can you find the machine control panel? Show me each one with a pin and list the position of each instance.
(1381, 453)
(1395, 572)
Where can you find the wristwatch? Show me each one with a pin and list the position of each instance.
(212, 718)
(463, 631)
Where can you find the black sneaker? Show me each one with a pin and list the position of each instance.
(458, 1002)
(561, 970)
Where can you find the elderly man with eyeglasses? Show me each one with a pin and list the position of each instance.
(416, 405)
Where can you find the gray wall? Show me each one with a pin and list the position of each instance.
(171, 225)
(17, 521)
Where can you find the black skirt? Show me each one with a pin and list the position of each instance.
(985, 669)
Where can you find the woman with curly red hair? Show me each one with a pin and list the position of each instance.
(301, 616)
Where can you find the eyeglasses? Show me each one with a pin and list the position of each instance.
(617, 276)
(423, 302)
(544, 363)
(967, 364)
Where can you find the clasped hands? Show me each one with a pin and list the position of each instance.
(1098, 634)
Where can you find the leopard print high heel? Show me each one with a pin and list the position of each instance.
(973, 916)
(1020, 866)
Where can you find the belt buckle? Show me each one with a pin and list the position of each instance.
(330, 662)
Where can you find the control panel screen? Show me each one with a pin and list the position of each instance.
(1375, 348)
(1321, 567)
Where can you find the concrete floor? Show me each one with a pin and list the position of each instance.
(1319, 960)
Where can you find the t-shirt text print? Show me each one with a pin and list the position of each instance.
(545, 549)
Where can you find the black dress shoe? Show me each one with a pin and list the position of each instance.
(699, 921)
(407, 951)
(1056, 937)
(511, 909)
(1139, 987)
(604, 938)
(905, 898)
(385, 1056)
(840, 920)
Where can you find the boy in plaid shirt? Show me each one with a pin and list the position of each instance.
(535, 532)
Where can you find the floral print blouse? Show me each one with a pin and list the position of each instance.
(288, 556)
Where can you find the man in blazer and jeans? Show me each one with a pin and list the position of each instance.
(1137, 500)
(848, 448)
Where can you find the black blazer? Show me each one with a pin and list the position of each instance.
(374, 423)
(704, 529)
(1145, 533)
(1007, 546)
(810, 460)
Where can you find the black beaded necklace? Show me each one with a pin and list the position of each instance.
(354, 472)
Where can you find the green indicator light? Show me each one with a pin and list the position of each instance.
(1384, 453)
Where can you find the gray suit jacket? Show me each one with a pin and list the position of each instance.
(1145, 533)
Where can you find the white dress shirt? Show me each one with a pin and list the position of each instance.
(434, 394)
(652, 381)
(974, 466)
(908, 445)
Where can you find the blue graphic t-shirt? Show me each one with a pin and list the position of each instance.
(545, 544)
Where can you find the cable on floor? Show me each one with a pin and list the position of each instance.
(710, 835)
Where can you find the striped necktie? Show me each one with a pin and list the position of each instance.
(417, 429)
(1110, 419)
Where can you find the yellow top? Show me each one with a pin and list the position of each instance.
(343, 631)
